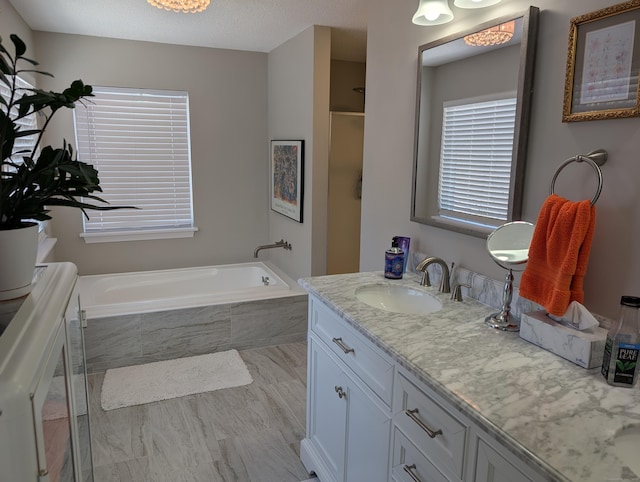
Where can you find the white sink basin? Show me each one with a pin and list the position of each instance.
(626, 443)
(398, 299)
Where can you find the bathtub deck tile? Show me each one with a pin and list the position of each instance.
(274, 319)
(113, 342)
(249, 433)
(188, 332)
(185, 317)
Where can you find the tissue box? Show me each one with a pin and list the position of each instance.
(584, 348)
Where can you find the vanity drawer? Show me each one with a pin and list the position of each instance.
(441, 437)
(370, 365)
(409, 464)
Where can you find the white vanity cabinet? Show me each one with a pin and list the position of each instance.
(370, 419)
(348, 398)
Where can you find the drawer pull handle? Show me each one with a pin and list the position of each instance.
(343, 347)
(341, 393)
(409, 470)
(430, 432)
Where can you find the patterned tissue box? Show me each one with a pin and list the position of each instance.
(584, 348)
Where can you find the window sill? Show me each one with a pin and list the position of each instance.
(142, 235)
(45, 246)
(461, 226)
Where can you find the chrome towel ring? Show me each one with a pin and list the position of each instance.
(595, 159)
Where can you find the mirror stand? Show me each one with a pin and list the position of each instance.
(508, 246)
(503, 320)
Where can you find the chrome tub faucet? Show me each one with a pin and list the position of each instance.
(278, 244)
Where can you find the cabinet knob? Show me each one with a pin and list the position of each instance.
(412, 414)
(409, 469)
(341, 393)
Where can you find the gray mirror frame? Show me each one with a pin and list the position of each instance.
(524, 93)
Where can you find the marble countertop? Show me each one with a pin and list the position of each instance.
(553, 414)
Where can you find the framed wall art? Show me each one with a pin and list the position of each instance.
(287, 178)
(603, 62)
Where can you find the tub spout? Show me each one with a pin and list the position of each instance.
(278, 244)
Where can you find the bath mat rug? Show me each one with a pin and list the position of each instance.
(152, 382)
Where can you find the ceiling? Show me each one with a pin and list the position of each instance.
(255, 25)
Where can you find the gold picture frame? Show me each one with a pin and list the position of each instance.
(603, 64)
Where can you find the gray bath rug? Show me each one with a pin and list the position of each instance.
(139, 384)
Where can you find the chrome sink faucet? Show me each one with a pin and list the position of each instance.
(445, 287)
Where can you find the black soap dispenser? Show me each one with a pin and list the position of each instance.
(394, 261)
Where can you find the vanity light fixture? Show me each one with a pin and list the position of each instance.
(185, 6)
(432, 12)
(475, 3)
(500, 34)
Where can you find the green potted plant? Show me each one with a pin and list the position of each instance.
(33, 180)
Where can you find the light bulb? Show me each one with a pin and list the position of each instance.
(433, 12)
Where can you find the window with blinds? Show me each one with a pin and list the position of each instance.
(475, 160)
(138, 140)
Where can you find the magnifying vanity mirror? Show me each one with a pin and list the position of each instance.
(468, 162)
(508, 246)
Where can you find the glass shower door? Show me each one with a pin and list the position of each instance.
(56, 426)
(80, 392)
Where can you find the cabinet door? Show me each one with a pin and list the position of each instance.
(491, 466)
(368, 433)
(328, 410)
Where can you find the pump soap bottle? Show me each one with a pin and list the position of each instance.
(394, 261)
(620, 360)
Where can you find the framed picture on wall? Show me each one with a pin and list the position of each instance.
(603, 63)
(287, 178)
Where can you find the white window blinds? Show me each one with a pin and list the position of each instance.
(475, 162)
(23, 145)
(138, 140)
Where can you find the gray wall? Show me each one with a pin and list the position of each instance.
(228, 108)
(11, 22)
(391, 75)
(229, 92)
(298, 85)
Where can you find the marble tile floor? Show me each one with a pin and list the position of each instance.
(245, 434)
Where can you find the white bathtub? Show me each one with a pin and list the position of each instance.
(149, 291)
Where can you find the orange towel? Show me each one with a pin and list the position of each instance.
(559, 254)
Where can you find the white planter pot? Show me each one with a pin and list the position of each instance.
(18, 252)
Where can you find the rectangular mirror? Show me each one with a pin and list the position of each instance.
(472, 122)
